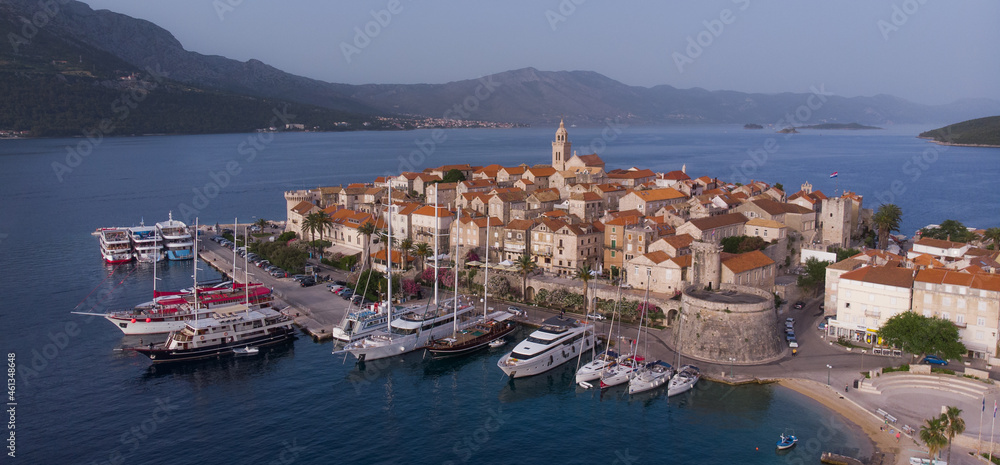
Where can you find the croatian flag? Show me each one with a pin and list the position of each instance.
(834, 174)
(994, 409)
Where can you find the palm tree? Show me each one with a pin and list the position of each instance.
(584, 274)
(933, 435)
(262, 223)
(525, 265)
(405, 247)
(422, 250)
(366, 230)
(317, 221)
(886, 220)
(993, 235)
(954, 425)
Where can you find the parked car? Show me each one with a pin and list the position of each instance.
(790, 335)
(308, 281)
(793, 343)
(822, 325)
(334, 289)
(934, 360)
(596, 316)
(340, 282)
(799, 304)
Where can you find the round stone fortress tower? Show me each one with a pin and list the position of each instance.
(719, 322)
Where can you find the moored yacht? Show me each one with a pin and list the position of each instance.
(651, 376)
(556, 341)
(229, 328)
(176, 239)
(361, 323)
(147, 245)
(115, 245)
(171, 311)
(412, 330)
(592, 370)
(684, 380)
(622, 371)
(477, 336)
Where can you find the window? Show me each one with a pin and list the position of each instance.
(612, 254)
(960, 319)
(946, 301)
(947, 288)
(945, 316)
(961, 303)
(980, 321)
(979, 335)
(982, 306)
(928, 299)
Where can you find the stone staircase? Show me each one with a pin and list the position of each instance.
(888, 382)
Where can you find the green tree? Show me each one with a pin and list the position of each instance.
(992, 235)
(933, 436)
(525, 265)
(366, 230)
(453, 175)
(316, 222)
(406, 248)
(886, 221)
(951, 230)
(954, 425)
(262, 223)
(584, 273)
(815, 277)
(422, 251)
(920, 335)
(844, 254)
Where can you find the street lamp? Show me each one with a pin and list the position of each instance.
(863, 360)
(828, 368)
(731, 360)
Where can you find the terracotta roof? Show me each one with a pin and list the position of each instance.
(586, 196)
(476, 183)
(926, 260)
(591, 160)
(555, 214)
(770, 206)
(657, 257)
(428, 210)
(526, 182)
(445, 186)
(986, 281)
(652, 195)
(747, 261)
(885, 275)
(679, 241)
(520, 225)
(303, 207)
(546, 195)
(847, 264)
(718, 221)
(939, 243)
(939, 276)
(624, 220)
(514, 170)
(396, 256)
(683, 261)
(675, 175)
(542, 172)
(761, 222)
(609, 187)
(510, 197)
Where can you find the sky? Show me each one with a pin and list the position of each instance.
(926, 51)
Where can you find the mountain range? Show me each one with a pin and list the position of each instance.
(525, 95)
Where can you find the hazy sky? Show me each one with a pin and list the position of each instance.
(928, 51)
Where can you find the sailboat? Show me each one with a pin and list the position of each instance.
(653, 374)
(482, 332)
(593, 369)
(628, 364)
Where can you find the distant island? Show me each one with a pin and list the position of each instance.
(838, 126)
(752, 126)
(788, 130)
(980, 132)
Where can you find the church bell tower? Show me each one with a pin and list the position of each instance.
(561, 148)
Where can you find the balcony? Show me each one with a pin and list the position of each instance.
(873, 314)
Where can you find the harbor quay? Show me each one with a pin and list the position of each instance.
(834, 375)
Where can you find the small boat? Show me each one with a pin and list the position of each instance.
(248, 350)
(684, 380)
(787, 442)
(498, 343)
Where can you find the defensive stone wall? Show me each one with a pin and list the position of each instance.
(734, 322)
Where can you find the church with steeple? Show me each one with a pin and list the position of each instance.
(562, 148)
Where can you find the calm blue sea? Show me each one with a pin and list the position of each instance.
(78, 401)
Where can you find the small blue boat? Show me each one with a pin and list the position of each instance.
(787, 442)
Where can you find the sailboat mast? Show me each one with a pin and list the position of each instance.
(197, 304)
(454, 319)
(246, 269)
(388, 260)
(436, 227)
(486, 278)
(236, 235)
